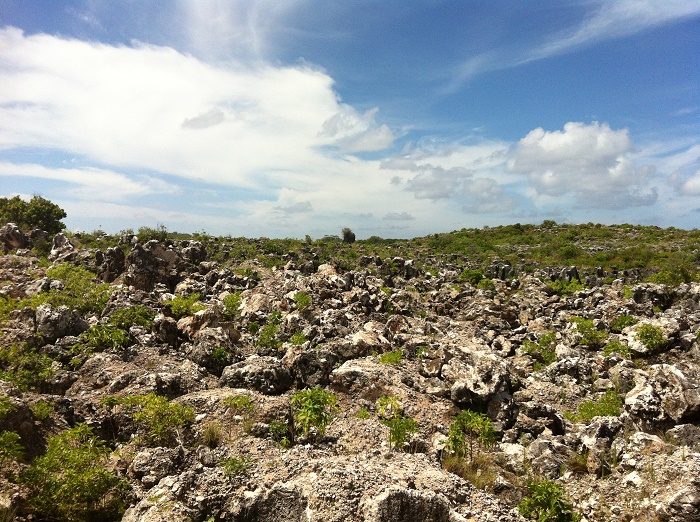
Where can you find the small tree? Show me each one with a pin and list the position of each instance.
(37, 213)
(348, 235)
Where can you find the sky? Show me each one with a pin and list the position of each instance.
(398, 119)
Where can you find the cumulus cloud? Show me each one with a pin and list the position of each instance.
(204, 120)
(135, 106)
(297, 208)
(354, 132)
(398, 216)
(591, 162)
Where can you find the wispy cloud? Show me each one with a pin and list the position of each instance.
(606, 20)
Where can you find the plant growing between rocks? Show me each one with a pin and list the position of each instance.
(70, 482)
(314, 408)
(546, 502)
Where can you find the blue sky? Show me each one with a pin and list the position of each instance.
(398, 119)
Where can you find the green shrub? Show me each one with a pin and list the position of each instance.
(486, 284)
(137, 315)
(302, 301)
(467, 429)
(622, 322)
(590, 336)
(158, 420)
(253, 327)
(182, 306)
(565, 288)
(297, 339)
(471, 276)
(652, 337)
(399, 428)
(388, 406)
(6, 406)
(394, 357)
(543, 351)
(104, 337)
(234, 467)
(70, 482)
(617, 347)
(267, 334)
(24, 367)
(546, 502)
(282, 433)
(10, 448)
(362, 413)
(145, 234)
(239, 404)
(232, 304)
(80, 291)
(610, 404)
(314, 408)
(42, 410)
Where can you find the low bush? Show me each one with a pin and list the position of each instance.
(471, 276)
(159, 421)
(232, 304)
(565, 288)
(616, 347)
(302, 301)
(10, 448)
(622, 322)
(70, 482)
(546, 502)
(181, 306)
(468, 429)
(234, 466)
(542, 351)
(610, 404)
(314, 408)
(137, 315)
(393, 357)
(399, 429)
(590, 335)
(24, 367)
(652, 337)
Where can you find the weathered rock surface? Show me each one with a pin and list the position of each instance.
(430, 344)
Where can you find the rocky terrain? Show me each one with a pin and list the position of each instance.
(594, 387)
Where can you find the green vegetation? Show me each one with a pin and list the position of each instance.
(302, 301)
(6, 406)
(471, 276)
(565, 288)
(38, 213)
(23, 366)
(159, 421)
(182, 306)
(10, 448)
(618, 348)
(297, 339)
(239, 404)
(42, 410)
(467, 429)
(69, 482)
(546, 502)
(268, 333)
(622, 322)
(610, 404)
(652, 337)
(232, 304)
(400, 426)
(314, 408)
(234, 466)
(393, 357)
(590, 335)
(543, 351)
(137, 315)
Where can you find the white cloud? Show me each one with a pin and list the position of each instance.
(204, 120)
(355, 132)
(399, 216)
(605, 20)
(614, 19)
(125, 107)
(92, 183)
(591, 162)
(297, 208)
